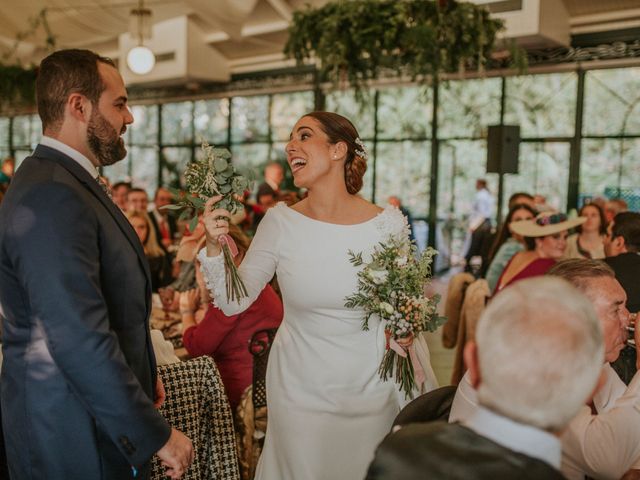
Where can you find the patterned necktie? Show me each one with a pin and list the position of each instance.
(104, 186)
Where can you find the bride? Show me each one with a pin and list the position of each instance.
(328, 407)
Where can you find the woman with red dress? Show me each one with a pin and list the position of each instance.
(226, 338)
(546, 240)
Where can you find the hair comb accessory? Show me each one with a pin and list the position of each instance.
(362, 153)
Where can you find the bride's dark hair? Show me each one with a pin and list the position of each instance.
(340, 129)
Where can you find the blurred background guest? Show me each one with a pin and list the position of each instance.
(507, 243)
(546, 240)
(164, 223)
(588, 240)
(613, 207)
(226, 338)
(137, 200)
(119, 192)
(159, 262)
(6, 173)
(479, 221)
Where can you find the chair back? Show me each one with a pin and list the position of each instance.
(453, 307)
(197, 405)
(251, 414)
(432, 406)
(259, 346)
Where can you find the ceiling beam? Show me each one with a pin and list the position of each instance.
(283, 8)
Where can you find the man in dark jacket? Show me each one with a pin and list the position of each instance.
(78, 379)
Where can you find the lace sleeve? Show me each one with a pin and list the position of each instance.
(391, 222)
(256, 270)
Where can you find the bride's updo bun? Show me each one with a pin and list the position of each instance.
(340, 129)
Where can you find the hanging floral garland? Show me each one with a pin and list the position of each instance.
(356, 41)
(17, 82)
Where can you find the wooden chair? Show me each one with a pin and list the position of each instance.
(251, 414)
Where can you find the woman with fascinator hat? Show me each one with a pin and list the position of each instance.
(546, 240)
(328, 407)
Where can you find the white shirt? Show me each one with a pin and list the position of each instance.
(70, 152)
(483, 205)
(603, 446)
(525, 439)
(606, 445)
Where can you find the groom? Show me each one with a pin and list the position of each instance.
(79, 375)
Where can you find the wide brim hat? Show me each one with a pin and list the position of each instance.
(546, 223)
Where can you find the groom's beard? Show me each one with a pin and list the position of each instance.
(104, 141)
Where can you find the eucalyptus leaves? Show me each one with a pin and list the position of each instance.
(211, 176)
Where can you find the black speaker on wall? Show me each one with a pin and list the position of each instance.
(503, 148)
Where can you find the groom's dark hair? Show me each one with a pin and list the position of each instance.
(62, 73)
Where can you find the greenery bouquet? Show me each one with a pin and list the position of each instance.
(214, 175)
(391, 286)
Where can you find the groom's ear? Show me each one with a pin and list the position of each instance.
(78, 107)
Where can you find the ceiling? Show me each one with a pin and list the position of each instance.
(248, 34)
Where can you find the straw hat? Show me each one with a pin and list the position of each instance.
(546, 223)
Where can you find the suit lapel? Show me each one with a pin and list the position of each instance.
(92, 185)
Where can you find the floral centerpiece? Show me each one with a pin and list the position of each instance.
(391, 286)
(211, 176)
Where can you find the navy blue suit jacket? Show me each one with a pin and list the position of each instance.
(79, 371)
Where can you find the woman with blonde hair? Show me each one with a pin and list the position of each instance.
(159, 263)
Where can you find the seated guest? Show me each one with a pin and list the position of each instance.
(224, 338)
(546, 240)
(530, 384)
(588, 241)
(119, 192)
(163, 222)
(606, 445)
(159, 262)
(622, 247)
(137, 200)
(506, 243)
(613, 207)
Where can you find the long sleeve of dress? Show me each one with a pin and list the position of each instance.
(256, 270)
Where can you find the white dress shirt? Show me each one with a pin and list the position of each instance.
(70, 152)
(603, 446)
(606, 445)
(483, 206)
(525, 439)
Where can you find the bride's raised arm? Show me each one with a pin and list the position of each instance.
(257, 267)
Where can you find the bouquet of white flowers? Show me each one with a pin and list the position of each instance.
(391, 285)
(214, 175)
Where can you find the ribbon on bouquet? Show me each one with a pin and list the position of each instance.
(402, 351)
(225, 239)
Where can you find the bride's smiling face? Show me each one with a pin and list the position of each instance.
(309, 153)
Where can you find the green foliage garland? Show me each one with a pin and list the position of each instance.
(17, 82)
(357, 40)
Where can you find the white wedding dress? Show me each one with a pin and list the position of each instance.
(328, 408)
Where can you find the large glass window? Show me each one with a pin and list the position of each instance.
(467, 107)
(543, 105)
(612, 102)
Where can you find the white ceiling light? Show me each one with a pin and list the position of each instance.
(140, 59)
